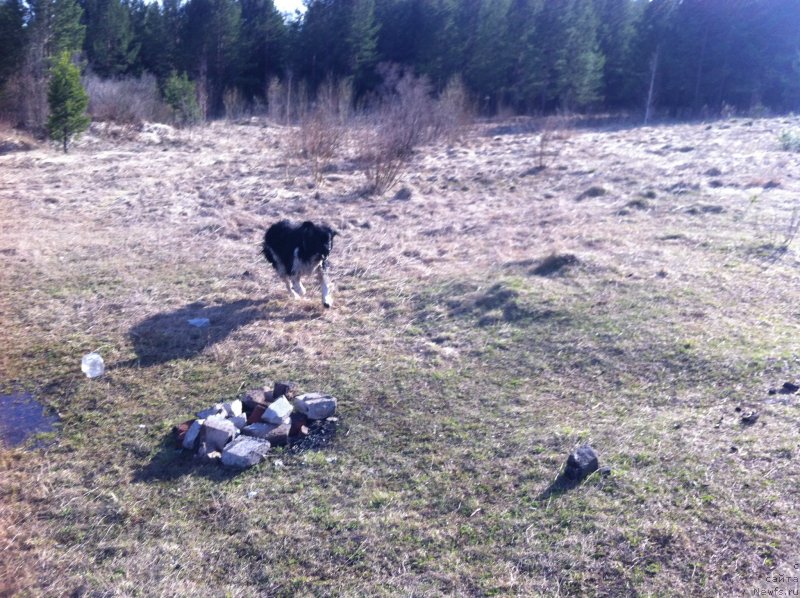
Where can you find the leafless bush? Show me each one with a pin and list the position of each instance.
(384, 159)
(235, 104)
(276, 101)
(406, 116)
(552, 130)
(776, 234)
(125, 101)
(323, 127)
(453, 110)
(23, 99)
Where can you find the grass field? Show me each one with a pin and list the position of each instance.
(639, 294)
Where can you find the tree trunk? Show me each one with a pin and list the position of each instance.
(653, 69)
(66, 136)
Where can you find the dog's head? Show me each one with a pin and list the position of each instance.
(317, 239)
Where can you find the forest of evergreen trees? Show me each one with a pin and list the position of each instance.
(689, 57)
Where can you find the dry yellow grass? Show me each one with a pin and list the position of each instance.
(464, 378)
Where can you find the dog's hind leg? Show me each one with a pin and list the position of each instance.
(325, 285)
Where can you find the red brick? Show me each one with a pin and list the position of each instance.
(298, 425)
(179, 432)
(256, 413)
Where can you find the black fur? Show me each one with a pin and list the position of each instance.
(310, 243)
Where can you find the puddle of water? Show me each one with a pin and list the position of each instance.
(22, 417)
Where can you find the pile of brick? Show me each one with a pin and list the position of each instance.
(239, 433)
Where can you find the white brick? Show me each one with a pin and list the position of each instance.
(233, 408)
(277, 411)
(218, 433)
(316, 405)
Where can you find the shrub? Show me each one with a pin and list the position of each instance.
(552, 129)
(67, 100)
(235, 104)
(128, 100)
(453, 111)
(400, 120)
(405, 117)
(323, 127)
(181, 95)
(790, 141)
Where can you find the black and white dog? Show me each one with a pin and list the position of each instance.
(296, 250)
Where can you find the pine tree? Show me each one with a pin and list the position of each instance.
(12, 38)
(68, 101)
(579, 74)
(110, 44)
(263, 46)
(615, 36)
(523, 76)
(53, 27)
(180, 94)
(486, 68)
(210, 44)
(362, 41)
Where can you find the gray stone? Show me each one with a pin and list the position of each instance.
(192, 436)
(316, 405)
(277, 411)
(254, 397)
(581, 463)
(215, 410)
(244, 452)
(218, 433)
(233, 408)
(240, 421)
(276, 434)
(206, 453)
(258, 429)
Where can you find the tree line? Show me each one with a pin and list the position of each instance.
(676, 57)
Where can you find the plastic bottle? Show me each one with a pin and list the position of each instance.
(92, 365)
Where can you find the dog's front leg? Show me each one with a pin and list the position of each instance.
(290, 287)
(299, 289)
(325, 285)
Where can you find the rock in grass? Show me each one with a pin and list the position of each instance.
(255, 398)
(316, 405)
(240, 421)
(217, 433)
(581, 462)
(215, 410)
(555, 263)
(789, 388)
(277, 411)
(245, 451)
(258, 429)
(285, 389)
(179, 432)
(750, 417)
(256, 414)
(192, 437)
(276, 434)
(233, 408)
(298, 424)
(595, 191)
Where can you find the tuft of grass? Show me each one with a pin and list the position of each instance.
(789, 141)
